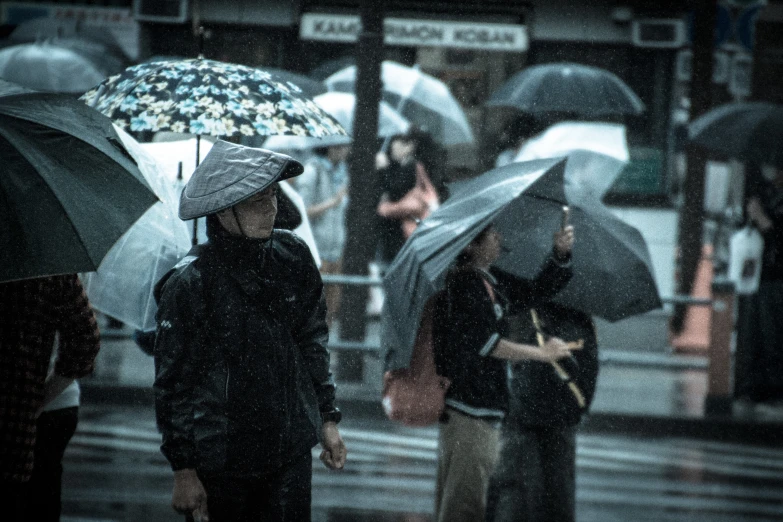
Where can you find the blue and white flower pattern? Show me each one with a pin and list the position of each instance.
(208, 97)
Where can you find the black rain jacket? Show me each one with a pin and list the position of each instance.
(468, 326)
(242, 369)
(538, 397)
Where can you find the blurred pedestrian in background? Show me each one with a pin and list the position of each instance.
(33, 312)
(759, 358)
(535, 477)
(408, 194)
(324, 188)
(243, 387)
(54, 429)
(515, 135)
(472, 347)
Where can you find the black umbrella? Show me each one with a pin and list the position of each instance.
(749, 132)
(613, 276)
(567, 88)
(419, 269)
(68, 188)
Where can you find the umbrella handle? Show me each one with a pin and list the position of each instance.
(564, 376)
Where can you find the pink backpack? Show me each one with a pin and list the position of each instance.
(415, 396)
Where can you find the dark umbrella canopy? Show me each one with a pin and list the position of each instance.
(419, 269)
(68, 188)
(749, 132)
(613, 276)
(567, 88)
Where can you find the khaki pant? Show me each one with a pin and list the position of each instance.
(467, 454)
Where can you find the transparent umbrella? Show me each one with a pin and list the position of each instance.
(341, 106)
(122, 287)
(422, 99)
(44, 66)
(597, 152)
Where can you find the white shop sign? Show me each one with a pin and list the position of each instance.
(416, 32)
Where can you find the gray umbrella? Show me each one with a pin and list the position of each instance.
(750, 132)
(419, 269)
(613, 276)
(567, 88)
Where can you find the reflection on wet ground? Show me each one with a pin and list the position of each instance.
(114, 472)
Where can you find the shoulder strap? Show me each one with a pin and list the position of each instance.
(490, 290)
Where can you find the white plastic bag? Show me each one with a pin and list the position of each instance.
(745, 251)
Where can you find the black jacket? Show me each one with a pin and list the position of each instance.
(242, 370)
(396, 180)
(771, 198)
(467, 327)
(538, 397)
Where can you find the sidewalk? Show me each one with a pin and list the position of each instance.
(633, 396)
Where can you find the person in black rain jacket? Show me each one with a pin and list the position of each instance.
(536, 476)
(243, 389)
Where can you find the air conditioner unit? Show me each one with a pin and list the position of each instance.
(161, 11)
(659, 32)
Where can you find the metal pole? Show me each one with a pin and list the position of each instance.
(692, 211)
(198, 156)
(363, 186)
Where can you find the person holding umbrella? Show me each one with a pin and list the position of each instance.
(535, 479)
(243, 387)
(759, 359)
(471, 350)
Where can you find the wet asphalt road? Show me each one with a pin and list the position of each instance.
(114, 472)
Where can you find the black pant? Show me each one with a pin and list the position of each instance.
(283, 496)
(758, 364)
(54, 430)
(535, 479)
(12, 500)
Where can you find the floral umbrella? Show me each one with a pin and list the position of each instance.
(207, 97)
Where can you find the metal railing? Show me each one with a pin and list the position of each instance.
(609, 356)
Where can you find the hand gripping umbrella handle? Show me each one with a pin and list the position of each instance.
(564, 376)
